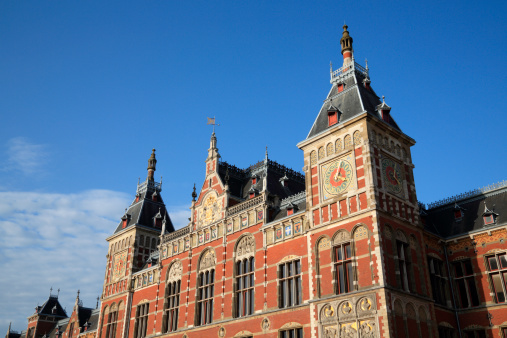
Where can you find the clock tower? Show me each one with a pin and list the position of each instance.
(132, 247)
(361, 204)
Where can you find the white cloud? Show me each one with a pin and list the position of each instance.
(25, 157)
(57, 240)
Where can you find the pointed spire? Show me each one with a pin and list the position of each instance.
(164, 221)
(346, 43)
(213, 150)
(152, 162)
(97, 306)
(9, 329)
(266, 157)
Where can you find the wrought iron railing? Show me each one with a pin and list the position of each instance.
(467, 194)
(352, 66)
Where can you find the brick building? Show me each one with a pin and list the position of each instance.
(342, 250)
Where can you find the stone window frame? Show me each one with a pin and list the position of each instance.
(290, 291)
(172, 297)
(439, 282)
(206, 274)
(464, 283)
(141, 320)
(244, 256)
(500, 271)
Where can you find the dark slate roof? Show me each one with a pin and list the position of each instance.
(153, 259)
(93, 320)
(440, 218)
(47, 307)
(352, 101)
(145, 209)
(240, 180)
(60, 326)
(297, 202)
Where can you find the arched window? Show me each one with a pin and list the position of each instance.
(343, 263)
(112, 319)
(141, 323)
(244, 281)
(172, 298)
(205, 288)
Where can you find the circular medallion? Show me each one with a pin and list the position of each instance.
(337, 177)
(392, 175)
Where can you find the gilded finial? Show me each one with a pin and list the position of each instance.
(383, 99)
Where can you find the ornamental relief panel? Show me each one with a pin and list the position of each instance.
(175, 272)
(207, 260)
(246, 247)
(351, 318)
(210, 210)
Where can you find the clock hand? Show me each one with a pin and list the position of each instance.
(337, 175)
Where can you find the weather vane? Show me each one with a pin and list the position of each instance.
(212, 121)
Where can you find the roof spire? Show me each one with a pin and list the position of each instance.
(97, 306)
(266, 157)
(346, 43)
(152, 162)
(194, 194)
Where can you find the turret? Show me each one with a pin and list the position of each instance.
(152, 162)
(346, 42)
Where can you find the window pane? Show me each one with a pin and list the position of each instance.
(493, 265)
(468, 267)
(339, 253)
(473, 291)
(298, 267)
(497, 285)
(347, 251)
(503, 261)
(290, 269)
(290, 295)
(462, 293)
(350, 277)
(341, 277)
(458, 270)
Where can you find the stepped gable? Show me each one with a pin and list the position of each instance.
(147, 204)
(240, 180)
(441, 218)
(355, 96)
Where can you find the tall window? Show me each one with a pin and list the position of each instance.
(171, 306)
(71, 330)
(205, 292)
(404, 264)
(245, 287)
(292, 333)
(438, 280)
(289, 275)
(112, 318)
(141, 320)
(344, 277)
(465, 284)
(497, 268)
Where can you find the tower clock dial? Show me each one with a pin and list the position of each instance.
(393, 178)
(336, 177)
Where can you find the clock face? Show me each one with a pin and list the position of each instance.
(119, 265)
(337, 177)
(393, 178)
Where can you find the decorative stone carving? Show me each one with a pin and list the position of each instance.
(329, 149)
(346, 308)
(364, 305)
(175, 272)
(357, 138)
(361, 233)
(265, 324)
(348, 330)
(313, 158)
(221, 332)
(208, 260)
(338, 145)
(246, 247)
(330, 332)
(328, 314)
(367, 329)
(401, 236)
(348, 141)
(341, 236)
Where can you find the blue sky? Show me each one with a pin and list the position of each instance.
(88, 88)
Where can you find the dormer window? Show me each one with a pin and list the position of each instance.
(340, 87)
(137, 198)
(290, 211)
(489, 219)
(252, 195)
(154, 197)
(385, 115)
(458, 212)
(254, 180)
(125, 220)
(488, 216)
(332, 118)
